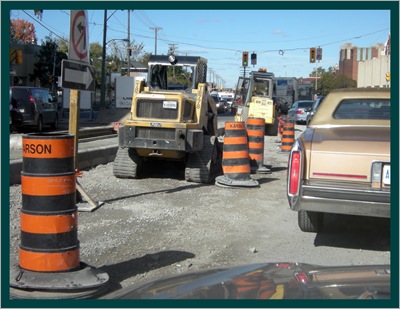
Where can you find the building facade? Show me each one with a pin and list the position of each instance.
(365, 65)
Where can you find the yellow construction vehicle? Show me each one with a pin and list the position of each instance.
(165, 124)
(255, 96)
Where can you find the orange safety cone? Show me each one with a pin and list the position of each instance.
(288, 137)
(49, 265)
(235, 158)
(255, 132)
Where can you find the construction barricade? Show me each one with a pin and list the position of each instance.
(255, 132)
(288, 136)
(235, 158)
(49, 265)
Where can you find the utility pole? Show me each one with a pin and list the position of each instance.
(54, 71)
(155, 38)
(103, 65)
(128, 50)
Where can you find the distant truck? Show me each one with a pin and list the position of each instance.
(286, 88)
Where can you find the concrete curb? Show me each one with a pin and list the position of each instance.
(86, 159)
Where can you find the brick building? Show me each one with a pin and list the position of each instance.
(351, 55)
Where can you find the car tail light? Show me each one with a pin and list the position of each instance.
(301, 277)
(294, 176)
(31, 100)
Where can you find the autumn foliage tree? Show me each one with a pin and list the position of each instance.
(22, 32)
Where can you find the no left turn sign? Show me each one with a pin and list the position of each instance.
(79, 38)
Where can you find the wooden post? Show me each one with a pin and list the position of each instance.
(74, 110)
(74, 107)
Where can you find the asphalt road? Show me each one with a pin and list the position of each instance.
(161, 225)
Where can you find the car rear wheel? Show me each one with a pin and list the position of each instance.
(310, 221)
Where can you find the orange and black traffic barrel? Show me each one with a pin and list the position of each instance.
(255, 133)
(288, 136)
(49, 266)
(49, 232)
(235, 157)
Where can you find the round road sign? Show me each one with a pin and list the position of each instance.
(79, 38)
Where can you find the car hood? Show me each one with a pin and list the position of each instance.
(268, 281)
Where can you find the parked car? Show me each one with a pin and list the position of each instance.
(282, 105)
(341, 163)
(299, 110)
(269, 281)
(33, 107)
(314, 108)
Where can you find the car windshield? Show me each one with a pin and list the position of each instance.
(363, 109)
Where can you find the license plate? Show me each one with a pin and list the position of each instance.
(156, 124)
(386, 175)
(169, 104)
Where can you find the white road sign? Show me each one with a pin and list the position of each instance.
(76, 75)
(79, 37)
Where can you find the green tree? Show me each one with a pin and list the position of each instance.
(96, 54)
(62, 44)
(328, 80)
(49, 57)
(320, 71)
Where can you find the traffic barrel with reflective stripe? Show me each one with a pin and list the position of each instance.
(235, 157)
(49, 248)
(255, 133)
(288, 137)
(49, 214)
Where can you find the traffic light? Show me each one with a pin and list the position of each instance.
(19, 57)
(253, 58)
(245, 59)
(312, 55)
(319, 54)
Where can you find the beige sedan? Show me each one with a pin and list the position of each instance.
(341, 163)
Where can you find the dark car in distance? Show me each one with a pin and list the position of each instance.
(32, 107)
(282, 106)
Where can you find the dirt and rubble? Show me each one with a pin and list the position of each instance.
(161, 225)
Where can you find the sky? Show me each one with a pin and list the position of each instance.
(280, 38)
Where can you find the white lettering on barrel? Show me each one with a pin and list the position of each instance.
(37, 149)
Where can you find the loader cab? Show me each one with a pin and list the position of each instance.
(184, 70)
(261, 87)
(158, 77)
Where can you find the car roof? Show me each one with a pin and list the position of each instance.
(331, 101)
